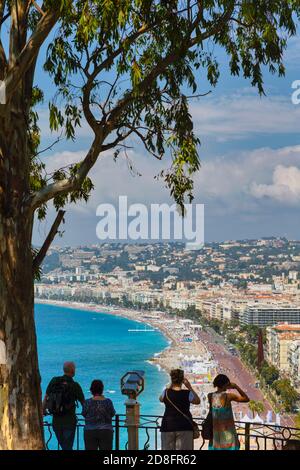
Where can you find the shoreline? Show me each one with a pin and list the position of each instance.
(167, 359)
(129, 314)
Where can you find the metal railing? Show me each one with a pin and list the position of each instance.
(252, 436)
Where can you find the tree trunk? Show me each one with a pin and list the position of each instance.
(20, 413)
(20, 393)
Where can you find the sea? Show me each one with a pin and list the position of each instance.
(102, 348)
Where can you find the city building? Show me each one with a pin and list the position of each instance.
(270, 314)
(294, 363)
(279, 340)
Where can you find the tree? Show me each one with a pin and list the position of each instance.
(287, 393)
(256, 407)
(126, 68)
(269, 373)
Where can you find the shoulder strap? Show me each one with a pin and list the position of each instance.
(226, 400)
(176, 408)
(209, 396)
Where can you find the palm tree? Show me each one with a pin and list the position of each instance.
(256, 407)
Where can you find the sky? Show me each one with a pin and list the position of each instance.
(249, 181)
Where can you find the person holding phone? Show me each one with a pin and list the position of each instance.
(177, 423)
(224, 432)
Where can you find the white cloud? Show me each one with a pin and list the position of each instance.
(233, 184)
(285, 187)
(132, 175)
(242, 115)
(235, 116)
(238, 185)
(232, 181)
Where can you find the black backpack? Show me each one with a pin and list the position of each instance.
(61, 397)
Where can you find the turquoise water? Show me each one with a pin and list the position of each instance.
(102, 348)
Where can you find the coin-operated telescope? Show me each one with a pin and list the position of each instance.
(132, 385)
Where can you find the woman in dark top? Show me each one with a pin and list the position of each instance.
(98, 412)
(177, 423)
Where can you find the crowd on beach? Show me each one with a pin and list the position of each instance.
(178, 430)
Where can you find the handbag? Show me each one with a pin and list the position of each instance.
(207, 425)
(196, 432)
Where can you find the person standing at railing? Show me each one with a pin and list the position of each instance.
(223, 428)
(60, 401)
(98, 412)
(177, 422)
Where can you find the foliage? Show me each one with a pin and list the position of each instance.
(287, 393)
(129, 68)
(256, 407)
(269, 373)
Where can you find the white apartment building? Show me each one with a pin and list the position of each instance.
(219, 309)
(293, 275)
(271, 314)
(294, 363)
(180, 303)
(279, 340)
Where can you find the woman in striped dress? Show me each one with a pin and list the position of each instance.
(224, 431)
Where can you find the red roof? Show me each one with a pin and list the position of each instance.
(287, 327)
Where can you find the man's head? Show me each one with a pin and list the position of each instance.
(69, 369)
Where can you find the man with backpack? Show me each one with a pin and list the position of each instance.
(62, 396)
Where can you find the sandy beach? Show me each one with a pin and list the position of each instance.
(166, 359)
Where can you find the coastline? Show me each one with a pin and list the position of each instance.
(129, 314)
(167, 359)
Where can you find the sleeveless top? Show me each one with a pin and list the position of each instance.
(174, 421)
(224, 432)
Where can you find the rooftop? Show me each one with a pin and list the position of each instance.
(284, 327)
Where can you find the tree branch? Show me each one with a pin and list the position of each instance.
(67, 185)
(4, 18)
(50, 237)
(29, 53)
(165, 62)
(126, 42)
(102, 130)
(3, 60)
(116, 142)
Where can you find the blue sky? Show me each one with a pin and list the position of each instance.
(250, 167)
